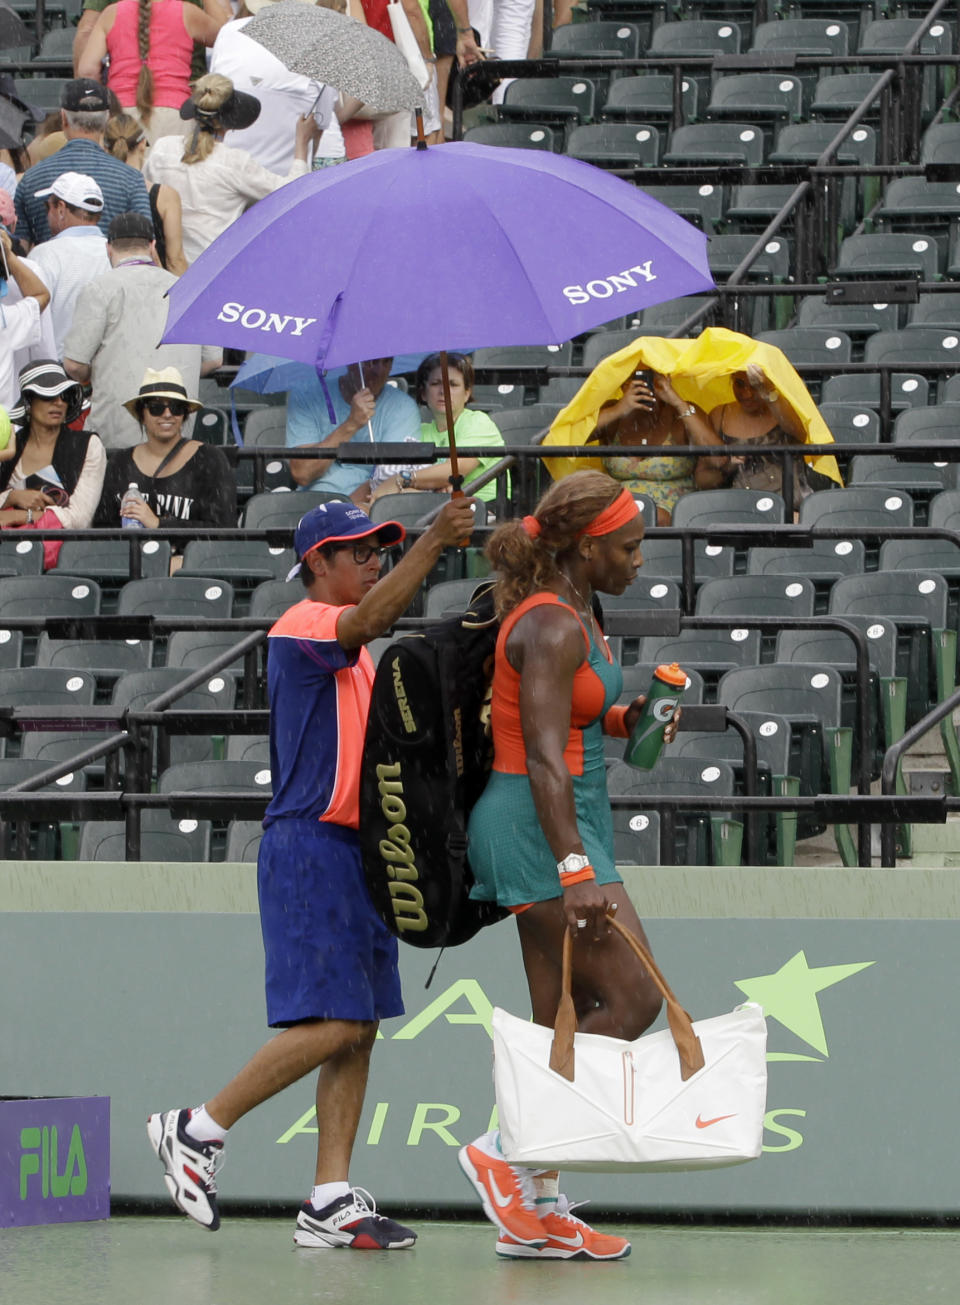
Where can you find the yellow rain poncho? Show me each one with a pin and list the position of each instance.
(701, 372)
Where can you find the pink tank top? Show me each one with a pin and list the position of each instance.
(171, 49)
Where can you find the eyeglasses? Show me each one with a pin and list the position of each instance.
(362, 552)
(157, 407)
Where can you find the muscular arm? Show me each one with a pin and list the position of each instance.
(88, 61)
(392, 595)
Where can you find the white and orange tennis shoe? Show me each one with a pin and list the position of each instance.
(567, 1238)
(505, 1191)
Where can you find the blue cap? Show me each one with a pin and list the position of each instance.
(332, 522)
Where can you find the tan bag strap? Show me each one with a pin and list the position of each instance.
(561, 1051)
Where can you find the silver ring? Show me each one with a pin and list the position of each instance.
(581, 924)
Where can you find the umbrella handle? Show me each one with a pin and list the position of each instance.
(456, 479)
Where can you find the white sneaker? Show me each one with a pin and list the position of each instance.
(190, 1167)
(351, 1220)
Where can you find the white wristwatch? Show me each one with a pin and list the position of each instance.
(573, 864)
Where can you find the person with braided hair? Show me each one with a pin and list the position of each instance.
(126, 140)
(150, 46)
(541, 834)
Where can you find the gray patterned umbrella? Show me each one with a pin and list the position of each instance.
(340, 51)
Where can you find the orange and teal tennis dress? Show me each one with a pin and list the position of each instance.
(509, 855)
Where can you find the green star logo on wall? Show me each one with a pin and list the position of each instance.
(790, 997)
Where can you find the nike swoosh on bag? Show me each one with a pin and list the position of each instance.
(706, 1123)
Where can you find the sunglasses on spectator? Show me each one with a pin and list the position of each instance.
(157, 407)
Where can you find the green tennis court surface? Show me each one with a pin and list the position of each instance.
(166, 1261)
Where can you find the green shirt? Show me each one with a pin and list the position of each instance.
(471, 428)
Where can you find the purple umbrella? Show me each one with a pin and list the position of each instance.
(453, 247)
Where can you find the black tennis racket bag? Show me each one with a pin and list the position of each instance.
(426, 758)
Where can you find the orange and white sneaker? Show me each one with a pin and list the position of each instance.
(505, 1191)
(568, 1238)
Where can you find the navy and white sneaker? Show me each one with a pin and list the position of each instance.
(351, 1220)
(190, 1167)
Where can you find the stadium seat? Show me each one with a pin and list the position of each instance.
(47, 686)
(522, 425)
(663, 319)
(851, 423)
(162, 839)
(244, 562)
(243, 841)
(752, 207)
(907, 390)
(240, 777)
(857, 509)
(37, 839)
(520, 358)
(108, 560)
(664, 558)
(515, 135)
(766, 97)
(272, 598)
(941, 143)
(447, 597)
(729, 507)
(57, 43)
(804, 142)
(695, 37)
(601, 344)
(615, 144)
(705, 838)
(827, 560)
(11, 652)
(921, 344)
(212, 426)
(636, 837)
(809, 696)
(21, 556)
(602, 40)
(918, 603)
(190, 596)
(136, 690)
(409, 508)
(700, 204)
(937, 310)
(774, 263)
(745, 596)
(48, 595)
(837, 95)
(810, 36)
(715, 143)
(914, 202)
(891, 35)
(811, 345)
(710, 652)
(889, 253)
(249, 747)
(105, 659)
(277, 511)
(649, 97)
(570, 100)
(191, 649)
(40, 92)
(265, 426)
(557, 392)
(856, 320)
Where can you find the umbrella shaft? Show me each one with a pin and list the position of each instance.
(448, 410)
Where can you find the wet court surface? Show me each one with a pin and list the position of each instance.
(166, 1261)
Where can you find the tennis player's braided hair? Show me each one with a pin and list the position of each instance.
(526, 564)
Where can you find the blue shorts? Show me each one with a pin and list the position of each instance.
(328, 954)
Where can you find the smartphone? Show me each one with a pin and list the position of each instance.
(646, 377)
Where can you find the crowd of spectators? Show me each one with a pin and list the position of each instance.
(174, 124)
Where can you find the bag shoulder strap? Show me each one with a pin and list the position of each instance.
(681, 1027)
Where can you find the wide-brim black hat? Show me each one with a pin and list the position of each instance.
(237, 112)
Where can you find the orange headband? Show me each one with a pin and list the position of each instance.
(622, 510)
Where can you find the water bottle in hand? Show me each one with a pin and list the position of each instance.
(133, 493)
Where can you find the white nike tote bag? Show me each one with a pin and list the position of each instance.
(690, 1097)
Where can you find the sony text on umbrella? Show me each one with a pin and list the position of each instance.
(613, 283)
(261, 319)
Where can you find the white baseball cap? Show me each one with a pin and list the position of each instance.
(76, 189)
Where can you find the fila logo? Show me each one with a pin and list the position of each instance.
(708, 1123)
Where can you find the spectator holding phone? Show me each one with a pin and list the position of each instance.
(55, 474)
(650, 412)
